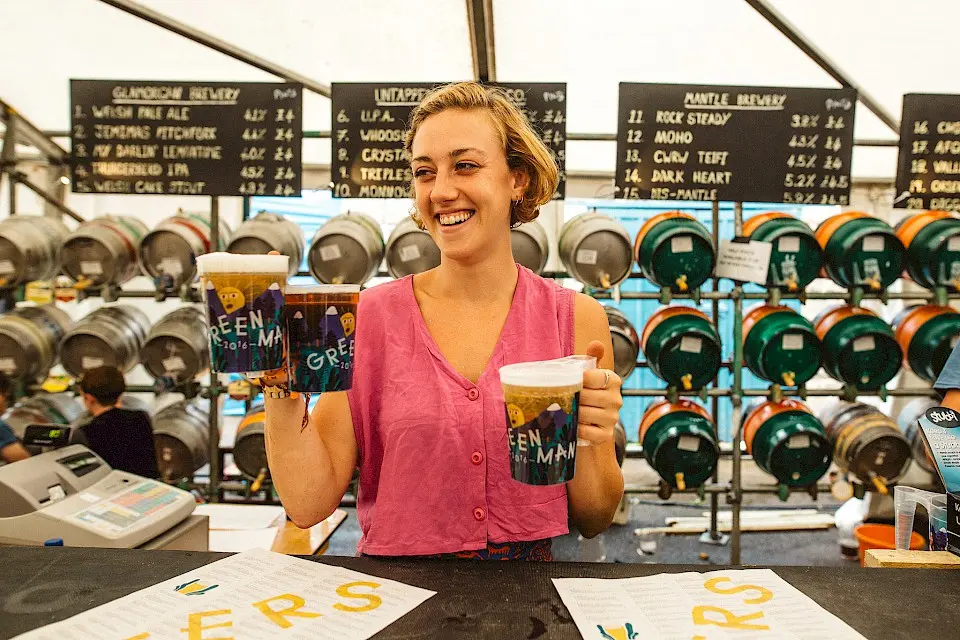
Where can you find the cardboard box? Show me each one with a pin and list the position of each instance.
(940, 427)
(953, 523)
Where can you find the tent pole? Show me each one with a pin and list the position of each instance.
(217, 44)
(482, 50)
(793, 34)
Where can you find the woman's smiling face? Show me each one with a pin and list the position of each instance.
(462, 184)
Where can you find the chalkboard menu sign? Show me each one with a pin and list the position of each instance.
(752, 144)
(928, 169)
(370, 119)
(186, 138)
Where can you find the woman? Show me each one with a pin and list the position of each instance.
(425, 420)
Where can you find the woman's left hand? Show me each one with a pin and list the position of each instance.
(600, 401)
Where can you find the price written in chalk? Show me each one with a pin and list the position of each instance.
(186, 138)
(368, 126)
(698, 142)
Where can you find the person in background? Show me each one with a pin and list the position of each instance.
(948, 382)
(425, 420)
(122, 437)
(11, 450)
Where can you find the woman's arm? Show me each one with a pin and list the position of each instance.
(952, 400)
(597, 486)
(312, 467)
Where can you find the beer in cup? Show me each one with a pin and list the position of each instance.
(542, 401)
(321, 329)
(243, 296)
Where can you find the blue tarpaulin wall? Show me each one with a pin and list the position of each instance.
(314, 208)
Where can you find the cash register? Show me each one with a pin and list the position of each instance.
(70, 493)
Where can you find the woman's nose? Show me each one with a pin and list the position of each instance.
(444, 189)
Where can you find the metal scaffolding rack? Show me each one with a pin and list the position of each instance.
(217, 486)
(483, 53)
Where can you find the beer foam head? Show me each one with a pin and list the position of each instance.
(585, 362)
(546, 373)
(321, 289)
(221, 262)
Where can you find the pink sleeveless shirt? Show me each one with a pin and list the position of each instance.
(433, 453)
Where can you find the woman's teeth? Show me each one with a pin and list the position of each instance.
(447, 219)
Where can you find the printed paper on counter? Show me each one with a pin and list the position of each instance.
(718, 605)
(249, 596)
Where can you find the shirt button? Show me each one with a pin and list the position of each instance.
(479, 514)
(476, 458)
(473, 394)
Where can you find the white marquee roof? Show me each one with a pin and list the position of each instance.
(888, 46)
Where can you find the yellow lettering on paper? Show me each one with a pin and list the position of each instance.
(344, 592)
(732, 621)
(279, 617)
(141, 636)
(195, 626)
(765, 594)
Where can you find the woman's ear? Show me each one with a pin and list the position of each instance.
(521, 180)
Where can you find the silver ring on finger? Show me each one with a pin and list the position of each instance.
(606, 378)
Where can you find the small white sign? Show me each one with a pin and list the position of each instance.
(874, 244)
(91, 268)
(7, 365)
(86, 362)
(681, 244)
(330, 252)
(691, 344)
(173, 363)
(6, 267)
(171, 266)
(587, 256)
(788, 244)
(793, 342)
(688, 443)
(799, 441)
(864, 343)
(409, 253)
(744, 261)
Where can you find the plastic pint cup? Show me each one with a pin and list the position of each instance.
(321, 329)
(243, 296)
(542, 401)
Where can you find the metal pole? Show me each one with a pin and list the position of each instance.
(215, 221)
(713, 533)
(21, 179)
(482, 52)
(213, 446)
(578, 137)
(213, 424)
(8, 156)
(793, 34)
(736, 418)
(26, 132)
(207, 40)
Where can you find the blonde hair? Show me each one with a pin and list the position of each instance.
(523, 147)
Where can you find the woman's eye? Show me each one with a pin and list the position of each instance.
(466, 166)
(419, 173)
